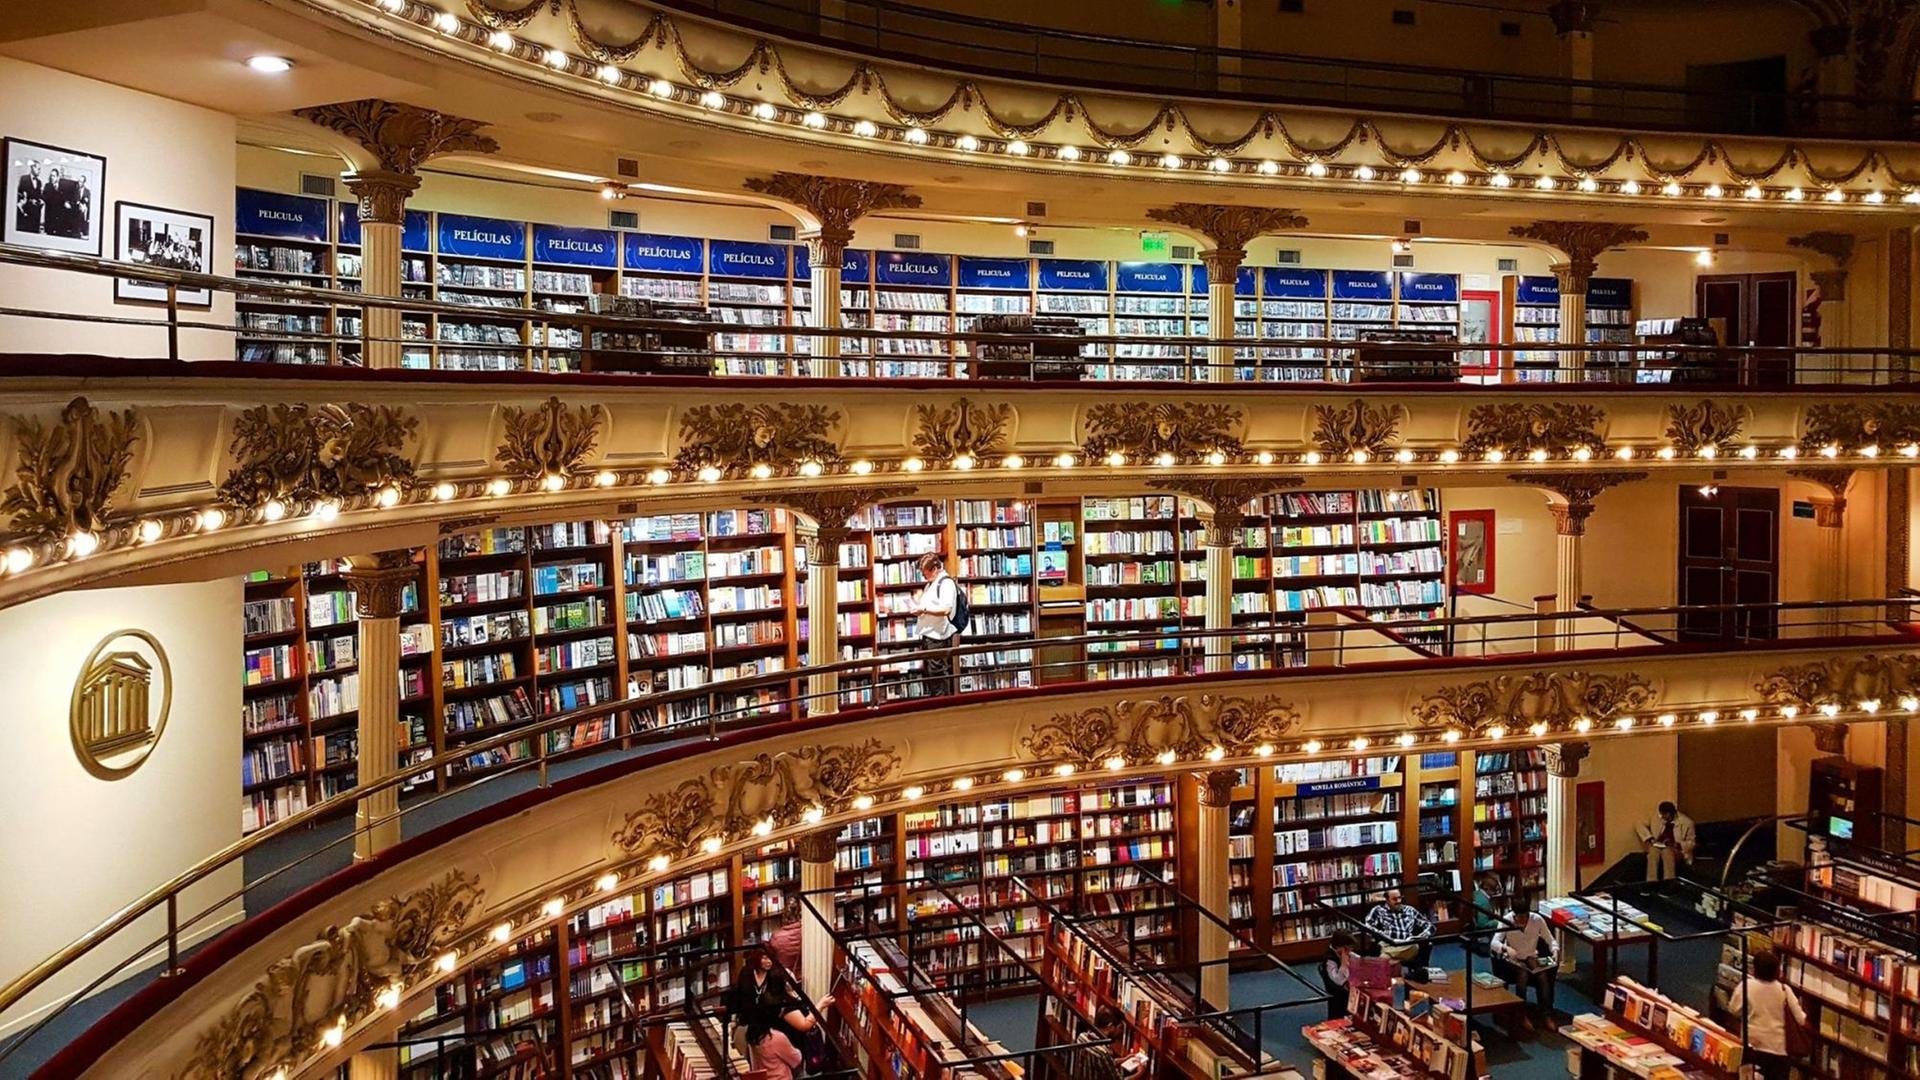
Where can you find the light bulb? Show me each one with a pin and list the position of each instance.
(911, 793)
(710, 845)
(1499, 180)
(388, 498)
(1017, 148)
(1220, 165)
(1166, 757)
(1311, 457)
(501, 40)
(1272, 168)
(713, 99)
(1711, 716)
(913, 464)
(1545, 183)
(1793, 194)
(762, 827)
(1714, 191)
(212, 519)
(556, 58)
(1496, 455)
(447, 962)
(709, 474)
(964, 462)
(1670, 188)
(1497, 731)
(659, 863)
(1216, 753)
(1314, 169)
(1063, 461)
(273, 510)
(964, 783)
(82, 543)
(1069, 153)
(1630, 187)
(1754, 192)
(810, 468)
(1013, 461)
(605, 882)
(657, 477)
(1456, 178)
(866, 129)
(765, 111)
(150, 530)
(1588, 183)
(1311, 746)
(1448, 457)
(501, 932)
(1118, 157)
(863, 802)
(553, 906)
(443, 491)
(1835, 195)
(967, 143)
(1014, 776)
(814, 119)
(280, 65)
(605, 478)
(861, 467)
(499, 486)
(1065, 768)
(1410, 175)
(553, 482)
(1170, 161)
(1115, 764)
(1364, 172)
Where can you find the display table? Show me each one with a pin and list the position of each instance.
(1502, 1004)
(1608, 1050)
(1351, 1052)
(1592, 922)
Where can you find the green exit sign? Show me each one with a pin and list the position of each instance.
(1153, 243)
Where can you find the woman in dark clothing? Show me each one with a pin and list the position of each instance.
(759, 997)
(1335, 971)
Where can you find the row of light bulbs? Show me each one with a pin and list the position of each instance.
(913, 135)
(80, 544)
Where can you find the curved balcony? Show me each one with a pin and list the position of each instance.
(668, 795)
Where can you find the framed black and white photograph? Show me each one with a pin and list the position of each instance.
(55, 197)
(168, 239)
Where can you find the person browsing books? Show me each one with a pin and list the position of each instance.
(937, 606)
(771, 1052)
(1405, 934)
(1527, 955)
(1336, 969)
(1669, 841)
(1767, 1003)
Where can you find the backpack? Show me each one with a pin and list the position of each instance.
(962, 610)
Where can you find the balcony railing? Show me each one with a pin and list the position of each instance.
(1333, 641)
(627, 346)
(926, 36)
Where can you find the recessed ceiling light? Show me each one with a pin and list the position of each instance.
(270, 65)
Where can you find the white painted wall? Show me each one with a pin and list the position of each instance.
(160, 153)
(76, 848)
(1640, 774)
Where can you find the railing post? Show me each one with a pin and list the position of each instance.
(173, 321)
(540, 755)
(173, 934)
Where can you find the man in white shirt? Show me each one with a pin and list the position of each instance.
(1669, 839)
(1527, 955)
(935, 606)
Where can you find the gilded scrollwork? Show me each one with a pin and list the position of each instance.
(1691, 428)
(551, 440)
(734, 438)
(1342, 431)
(69, 471)
(1518, 428)
(1557, 699)
(1854, 424)
(1139, 730)
(333, 980)
(943, 433)
(308, 453)
(1226, 498)
(1144, 431)
(1844, 681)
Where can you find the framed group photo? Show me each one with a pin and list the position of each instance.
(54, 197)
(168, 239)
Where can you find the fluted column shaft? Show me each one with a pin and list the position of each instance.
(823, 615)
(383, 214)
(825, 254)
(1211, 883)
(817, 851)
(379, 584)
(1223, 269)
(1573, 278)
(1219, 600)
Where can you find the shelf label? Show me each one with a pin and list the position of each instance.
(910, 268)
(1292, 283)
(856, 267)
(485, 238)
(1542, 291)
(1429, 288)
(1610, 292)
(1073, 275)
(575, 247)
(662, 254)
(1145, 277)
(416, 235)
(995, 273)
(268, 213)
(1244, 282)
(1362, 285)
(739, 258)
(1335, 787)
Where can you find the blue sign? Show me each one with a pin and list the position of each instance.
(485, 238)
(1244, 283)
(1610, 292)
(415, 235)
(739, 258)
(663, 254)
(1073, 275)
(912, 268)
(1429, 288)
(576, 247)
(1536, 290)
(1292, 283)
(995, 273)
(290, 217)
(1362, 285)
(1335, 787)
(1145, 277)
(855, 266)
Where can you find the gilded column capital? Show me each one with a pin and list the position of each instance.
(1563, 759)
(1831, 512)
(1228, 228)
(383, 195)
(1829, 738)
(1224, 499)
(835, 202)
(401, 137)
(379, 583)
(830, 513)
(1216, 787)
(1573, 16)
(819, 846)
(1573, 494)
(1582, 242)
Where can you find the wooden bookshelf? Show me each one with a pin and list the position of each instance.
(1509, 817)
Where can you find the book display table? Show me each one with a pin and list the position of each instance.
(1605, 927)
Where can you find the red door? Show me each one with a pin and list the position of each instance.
(1480, 322)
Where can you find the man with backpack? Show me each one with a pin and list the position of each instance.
(944, 614)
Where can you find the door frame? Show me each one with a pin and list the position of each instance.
(1496, 331)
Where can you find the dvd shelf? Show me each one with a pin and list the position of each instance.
(1534, 303)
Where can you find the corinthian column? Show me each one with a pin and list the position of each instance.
(1830, 517)
(1581, 244)
(835, 204)
(817, 850)
(1832, 283)
(1573, 28)
(1228, 229)
(1563, 768)
(1211, 884)
(1571, 498)
(383, 214)
(1222, 513)
(379, 585)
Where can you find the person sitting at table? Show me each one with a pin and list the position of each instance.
(1486, 917)
(1335, 970)
(1405, 934)
(1527, 955)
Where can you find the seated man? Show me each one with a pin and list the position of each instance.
(1405, 934)
(1527, 955)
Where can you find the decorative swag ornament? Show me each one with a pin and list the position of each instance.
(1144, 431)
(1139, 731)
(1845, 681)
(943, 433)
(734, 438)
(1517, 429)
(1692, 428)
(68, 471)
(308, 453)
(1341, 431)
(1852, 425)
(1559, 700)
(551, 440)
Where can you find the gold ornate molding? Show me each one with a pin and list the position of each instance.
(379, 583)
(1139, 731)
(1357, 427)
(332, 981)
(1832, 513)
(551, 440)
(1564, 758)
(731, 800)
(1226, 498)
(945, 432)
(735, 440)
(382, 195)
(835, 202)
(1843, 681)
(306, 454)
(1538, 702)
(1228, 228)
(69, 471)
(1582, 242)
(1519, 428)
(832, 511)
(1692, 428)
(1852, 425)
(402, 137)
(1185, 433)
(1575, 494)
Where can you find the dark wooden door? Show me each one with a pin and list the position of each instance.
(1729, 554)
(1755, 310)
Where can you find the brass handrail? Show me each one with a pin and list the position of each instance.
(166, 894)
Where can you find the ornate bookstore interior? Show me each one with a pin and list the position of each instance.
(959, 540)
